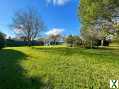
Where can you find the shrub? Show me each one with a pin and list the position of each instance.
(73, 41)
(2, 40)
(69, 40)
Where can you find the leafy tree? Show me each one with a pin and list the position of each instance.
(28, 24)
(99, 16)
(92, 10)
(2, 40)
(73, 41)
(77, 41)
(69, 40)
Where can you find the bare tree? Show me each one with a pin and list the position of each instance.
(28, 23)
(55, 35)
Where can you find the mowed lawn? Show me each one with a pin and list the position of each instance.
(58, 68)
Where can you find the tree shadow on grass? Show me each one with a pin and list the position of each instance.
(12, 73)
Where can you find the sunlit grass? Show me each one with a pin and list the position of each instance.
(51, 46)
(58, 67)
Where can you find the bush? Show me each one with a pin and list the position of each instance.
(69, 40)
(92, 44)
(2, 40)
(73, 41)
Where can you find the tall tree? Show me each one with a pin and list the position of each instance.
(99, 14)
(28, 23)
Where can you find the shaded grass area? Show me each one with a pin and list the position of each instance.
(12, 74)
(58, 68)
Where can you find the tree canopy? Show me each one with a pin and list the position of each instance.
(98, 18)
(92, 10)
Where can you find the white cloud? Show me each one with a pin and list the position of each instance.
(58, 2)
(55, 31)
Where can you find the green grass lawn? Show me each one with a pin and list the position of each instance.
(58, 68)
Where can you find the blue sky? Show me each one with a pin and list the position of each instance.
(58, 14)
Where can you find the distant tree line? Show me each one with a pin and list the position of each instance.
(16, 43)
(77, 41)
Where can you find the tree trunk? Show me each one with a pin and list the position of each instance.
(91, 44)
(102, 42)
(54, 42)
(29, 42)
